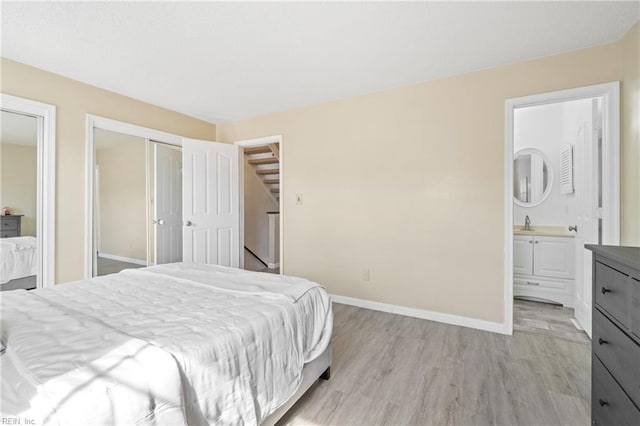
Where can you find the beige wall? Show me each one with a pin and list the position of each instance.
(73, 101)
(123, 197)
(630, 137)
(409, 184)
(18, 189)
(257, 203)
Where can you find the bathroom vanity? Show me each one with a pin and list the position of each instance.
(543, 264)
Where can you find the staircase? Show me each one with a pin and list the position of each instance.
(265, 160)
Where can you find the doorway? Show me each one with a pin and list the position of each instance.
(27, 193)
(561, 192)
(262, 204)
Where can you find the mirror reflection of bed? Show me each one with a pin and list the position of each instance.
(18, 200)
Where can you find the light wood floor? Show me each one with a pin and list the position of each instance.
(110, 266)
(394, 370)
(546, 318)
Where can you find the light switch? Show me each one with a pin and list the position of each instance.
(299, 199)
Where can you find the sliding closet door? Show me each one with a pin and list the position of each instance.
(168, 203)
(211, 202)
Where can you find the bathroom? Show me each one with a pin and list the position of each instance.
(556, 187)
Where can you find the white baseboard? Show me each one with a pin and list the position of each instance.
(273, 265)
(494, 327)
(123, 259)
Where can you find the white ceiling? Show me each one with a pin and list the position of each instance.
(18, 129)
(225, 61)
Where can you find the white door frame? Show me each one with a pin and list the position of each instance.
(46, 185)
(97, 122)
(610, 92)
(259, 142)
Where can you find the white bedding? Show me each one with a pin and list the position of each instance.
(18, 258)
(171, 344)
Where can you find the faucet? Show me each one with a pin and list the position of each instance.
(527, 223)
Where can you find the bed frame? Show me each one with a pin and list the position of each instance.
(319, 368)
(26, 283)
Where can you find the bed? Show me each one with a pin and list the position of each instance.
(171, 344)
(18, 263)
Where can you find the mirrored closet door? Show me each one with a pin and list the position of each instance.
(19, 266)
(137, 202)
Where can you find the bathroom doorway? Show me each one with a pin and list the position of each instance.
(562, 178)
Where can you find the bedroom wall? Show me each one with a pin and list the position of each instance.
(18, 177)
(415, 192)
(123, 196)
(630, 137)
(74, 100)
(257, 203)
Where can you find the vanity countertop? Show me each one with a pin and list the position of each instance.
(544, 231)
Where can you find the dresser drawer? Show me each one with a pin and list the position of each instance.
(613, 292)
(7, 224)
(9, 233)
(635, 307)
(609, 404)
(618, 353)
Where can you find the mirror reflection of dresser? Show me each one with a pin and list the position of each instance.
(11, 226)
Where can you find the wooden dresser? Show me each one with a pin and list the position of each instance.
(10, 226)
(615, 368)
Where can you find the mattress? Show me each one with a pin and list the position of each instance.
(18, 258)
(170, 344)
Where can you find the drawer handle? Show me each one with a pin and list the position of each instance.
(602, 402)
(605, 290)
(532, 283)
(601, 341)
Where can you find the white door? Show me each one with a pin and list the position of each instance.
(522, 255)
(167, 204)
(211, 202)
(586, 183)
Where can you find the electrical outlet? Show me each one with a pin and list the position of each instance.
(299, 199)
(365, 275)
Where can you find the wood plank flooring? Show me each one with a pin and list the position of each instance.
(394, 370)
(546, 318)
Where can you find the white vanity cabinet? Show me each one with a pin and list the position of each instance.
(543, 267)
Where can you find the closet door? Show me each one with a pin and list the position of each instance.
(211, 202)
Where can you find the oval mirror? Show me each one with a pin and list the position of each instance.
(532, 177)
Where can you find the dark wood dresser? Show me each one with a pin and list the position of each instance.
(615, 368)
(10, 226)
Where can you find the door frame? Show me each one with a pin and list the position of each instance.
(610, 92)
(97, 122)
(259, 142)
(46, 175)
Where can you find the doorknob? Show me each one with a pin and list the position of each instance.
(160, 222)
(188, 223)
(573, 228)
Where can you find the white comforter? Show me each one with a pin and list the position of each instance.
(18, 258)
(172, 344)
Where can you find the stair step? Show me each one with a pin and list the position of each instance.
(271, 181)
(267, 171)
(257, 150)
(275, 190)
(260, 161)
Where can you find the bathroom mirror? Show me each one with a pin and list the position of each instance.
(532, 177)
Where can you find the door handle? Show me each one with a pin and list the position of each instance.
(573, 228)
(188, 223)
(160, 222)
